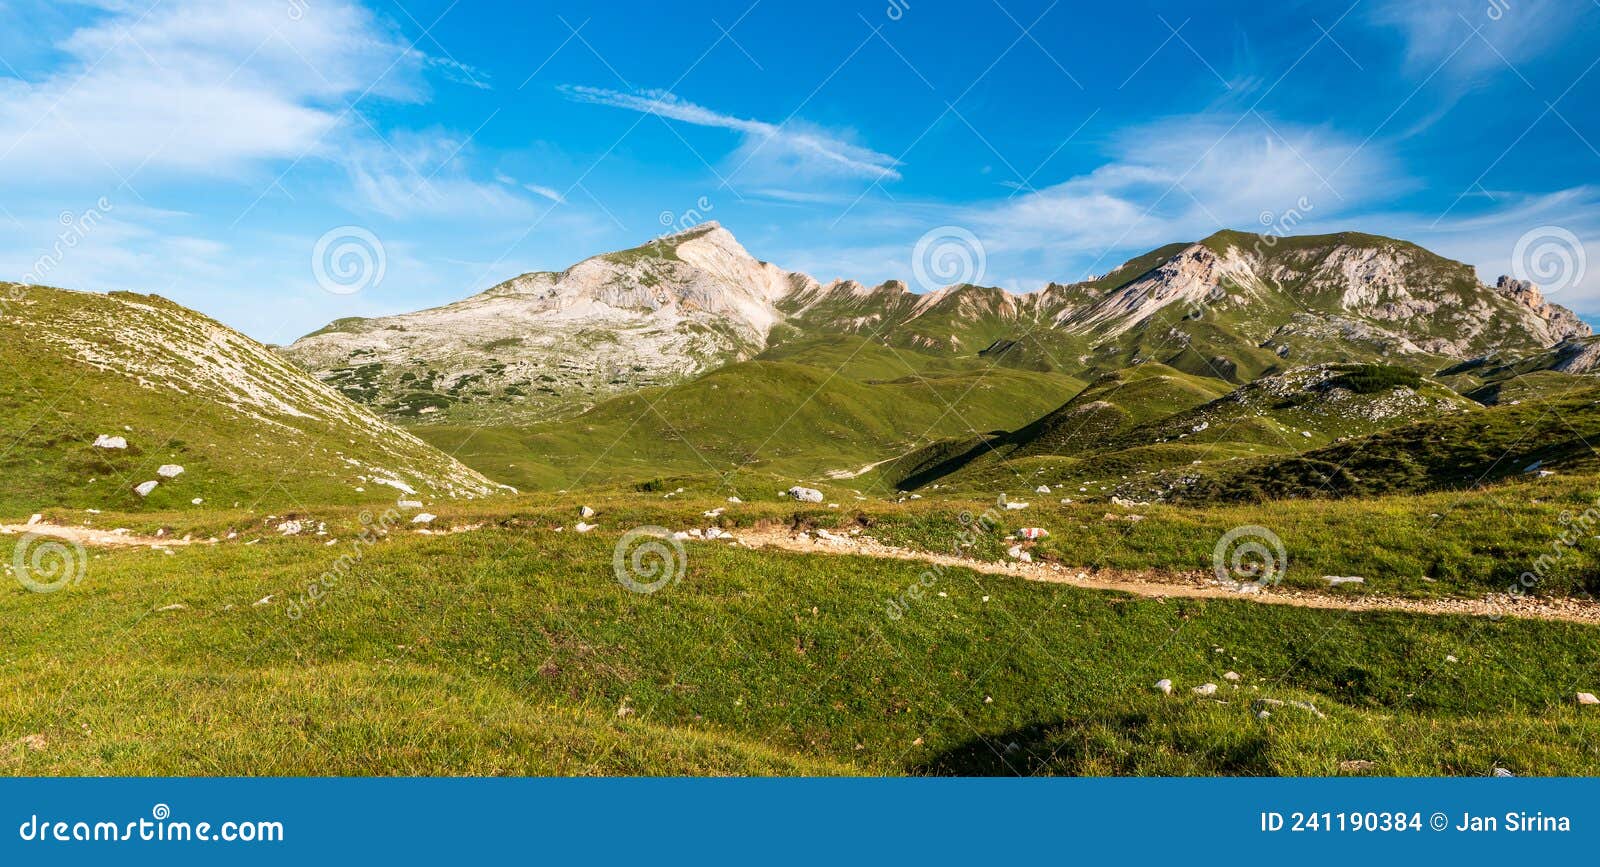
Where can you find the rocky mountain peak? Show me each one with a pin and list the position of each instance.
(1563, 323)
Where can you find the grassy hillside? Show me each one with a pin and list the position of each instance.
(1549, 434)
(180, 389)
(515, 650)
(822, 408)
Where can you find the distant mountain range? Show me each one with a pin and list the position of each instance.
(1233, 306)
(1182, 369)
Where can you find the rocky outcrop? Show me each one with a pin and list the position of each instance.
(1561, 322)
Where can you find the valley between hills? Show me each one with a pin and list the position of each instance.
(1248, 505)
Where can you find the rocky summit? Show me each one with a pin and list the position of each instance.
(1233, 306)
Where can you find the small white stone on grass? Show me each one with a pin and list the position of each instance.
(1587, 698)
(1205, 689)
(1165, 686)
(584, 528)
(423, 518)
(1232, 675)
(106, 442)
(169, 471)
(143, 489)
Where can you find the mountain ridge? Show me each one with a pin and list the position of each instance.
(1234, 305)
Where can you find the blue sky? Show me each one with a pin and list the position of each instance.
(200, 150)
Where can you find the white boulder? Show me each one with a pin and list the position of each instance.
(106, 442)
(143, 489)
(805, 495)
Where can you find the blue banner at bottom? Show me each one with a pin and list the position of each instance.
(311, 821)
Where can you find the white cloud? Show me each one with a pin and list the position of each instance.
(768, 150)
(198, 87)
(411, 174)
(1437, 31)
(1186, 178)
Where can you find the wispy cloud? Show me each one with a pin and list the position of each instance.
(1441, 32)
(205, 87)
(794, 146)
(1187, 177)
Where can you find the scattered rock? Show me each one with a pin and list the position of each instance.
(1336, 580)
(584, 528)
(408, 504)
(1449, 657)
(1205, 689)
(265, 600)
(1017, 553)
(143, 489)
(1042, 489)
(1261, 704)
(1356, 766)
(1502, 772)
(106, 442)
(1016, 506)
(169, 471)
(196, 501)
(805, 495)
(1232, 675)
(833, 538)
(1587, 698)
(423, 518)
(1165, 686)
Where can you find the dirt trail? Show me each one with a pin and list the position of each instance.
(91, 537)
(1193, 585)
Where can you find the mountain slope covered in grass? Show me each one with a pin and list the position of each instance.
(827, 408)
(159, 385)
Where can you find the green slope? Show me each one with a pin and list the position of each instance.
(1462, 450)
(514, 650)
(791, 417)
(247, 426)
